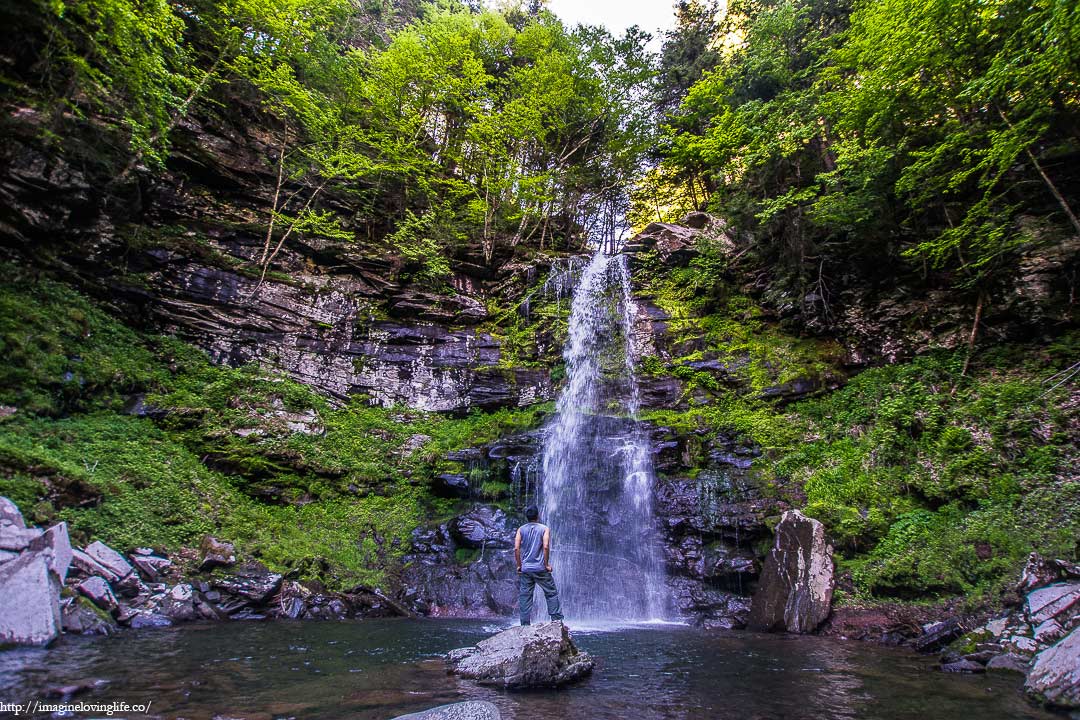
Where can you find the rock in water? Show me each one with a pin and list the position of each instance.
(472, 710)
(33, 566)
(796, 586)
(522, 657)
(1054, 677)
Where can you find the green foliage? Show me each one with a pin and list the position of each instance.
(336, 503)
(743, 348)
(856, 140)
(931, 483)
(59, 350)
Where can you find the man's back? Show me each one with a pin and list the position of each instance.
(532, 546)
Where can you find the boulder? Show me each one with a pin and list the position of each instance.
(108, 558)
(97, 591)
(451, 485)
(482, 527)
(179, 603)
(1054, 677)
(55, 546)
(29, 601)
(249, 584)
(1008, 662)
(80, 617)
(10, 515)
(30, 579)
(523, 657)
(471, 710)
(797, 581)
(216, 553)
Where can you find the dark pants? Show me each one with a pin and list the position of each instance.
(526, 582)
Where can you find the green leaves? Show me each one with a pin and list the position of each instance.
(919, 131)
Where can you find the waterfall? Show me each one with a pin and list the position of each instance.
(597, 470)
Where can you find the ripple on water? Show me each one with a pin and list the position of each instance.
(382, 668)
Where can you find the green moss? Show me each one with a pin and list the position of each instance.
(61, 353)
(465, 556)
(937, 484)
(336, 503)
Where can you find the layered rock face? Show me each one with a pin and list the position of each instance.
(795, 592)
(882, 324)
(182, 252)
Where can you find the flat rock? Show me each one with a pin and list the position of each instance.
(97, 590)
(89, 566)
(1008, 662)
(141, 620)
(523, 657)
(471, 710)
(108, 558)
(1054, 677)
(937, 635)
(963, 666)
(796, 585)
(1049, 602)
(151, 567)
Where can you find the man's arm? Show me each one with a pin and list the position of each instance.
(547, 549)
(517, 549)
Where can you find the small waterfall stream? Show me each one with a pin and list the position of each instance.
(597, 469)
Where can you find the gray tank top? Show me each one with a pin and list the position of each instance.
(532, 547)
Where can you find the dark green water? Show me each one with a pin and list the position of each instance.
(378, 669)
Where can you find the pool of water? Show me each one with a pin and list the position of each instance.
(381, 668)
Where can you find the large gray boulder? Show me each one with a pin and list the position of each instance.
(1054, 677)
(796, 586)
(471, 710)
(33, 570)
(523, 657)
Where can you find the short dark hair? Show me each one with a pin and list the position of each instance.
(531, 513)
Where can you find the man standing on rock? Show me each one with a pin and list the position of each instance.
(532, 551)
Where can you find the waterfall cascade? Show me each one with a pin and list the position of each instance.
(597, 470)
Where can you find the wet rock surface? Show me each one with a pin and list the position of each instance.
(523, 657)
(1039, 638)
(1054, 676)
(471, 710)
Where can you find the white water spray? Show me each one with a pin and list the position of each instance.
(597, 469)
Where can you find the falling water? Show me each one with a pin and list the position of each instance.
(597, 469)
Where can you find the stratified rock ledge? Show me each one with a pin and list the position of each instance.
(528, 656)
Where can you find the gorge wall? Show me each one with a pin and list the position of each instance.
(431, 397)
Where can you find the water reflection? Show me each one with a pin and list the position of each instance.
(379, 669)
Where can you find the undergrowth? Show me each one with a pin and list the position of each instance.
(139, 440)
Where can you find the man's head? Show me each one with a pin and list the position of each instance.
(531, 513)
